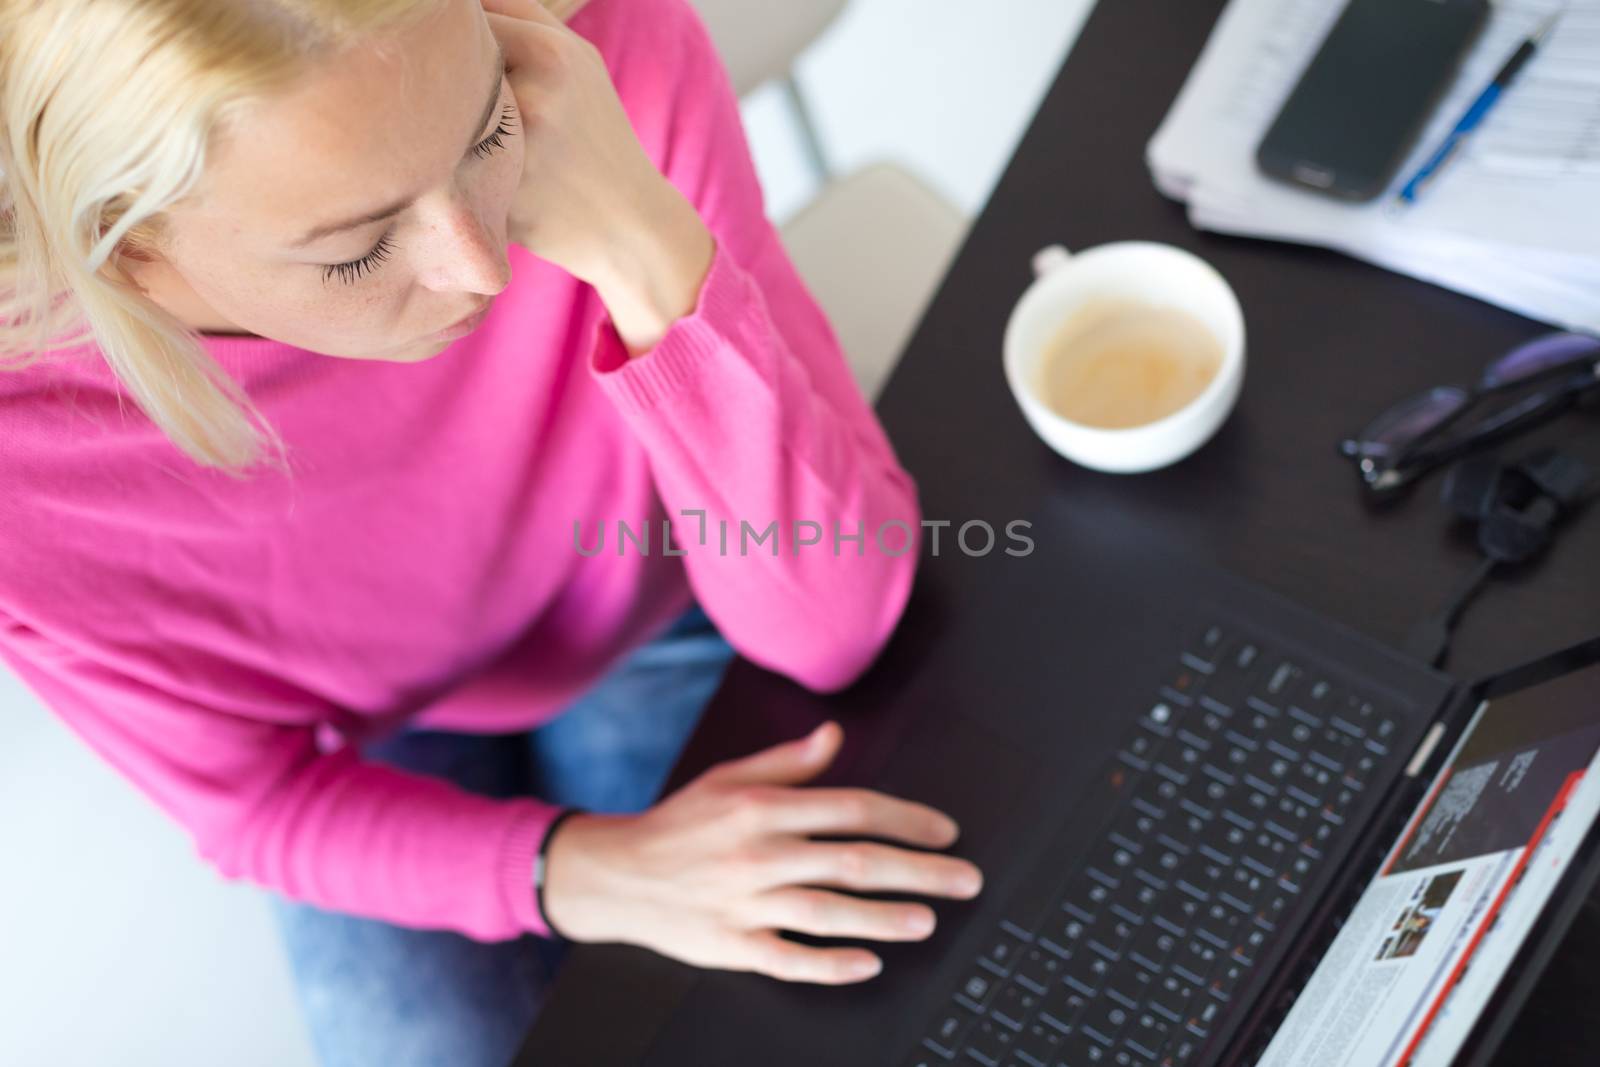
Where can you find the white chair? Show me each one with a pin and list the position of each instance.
(872, 245)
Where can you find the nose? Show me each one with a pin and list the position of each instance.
(459, 252)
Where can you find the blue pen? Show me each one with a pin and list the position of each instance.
(1480, 107)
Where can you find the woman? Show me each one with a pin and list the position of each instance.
(337, 591)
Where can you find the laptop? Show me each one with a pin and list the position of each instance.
(1215, 828)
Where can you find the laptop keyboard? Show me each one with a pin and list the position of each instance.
(1233, 786)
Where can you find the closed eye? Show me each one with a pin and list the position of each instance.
(355, 269)
(496, 140)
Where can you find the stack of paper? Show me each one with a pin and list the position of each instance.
(1514, 220)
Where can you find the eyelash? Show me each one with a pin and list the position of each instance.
(496, 139)
(356, 268)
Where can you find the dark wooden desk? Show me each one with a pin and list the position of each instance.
(1330, 342)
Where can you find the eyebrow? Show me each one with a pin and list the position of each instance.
(391, 210)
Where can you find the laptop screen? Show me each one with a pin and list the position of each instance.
(1430, 938)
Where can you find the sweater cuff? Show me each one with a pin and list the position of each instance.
(517, 851)
(640, 382)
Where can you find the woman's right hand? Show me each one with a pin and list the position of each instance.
(711, 873)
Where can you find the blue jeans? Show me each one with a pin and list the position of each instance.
(375, 993)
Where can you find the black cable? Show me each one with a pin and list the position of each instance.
(1429, 639)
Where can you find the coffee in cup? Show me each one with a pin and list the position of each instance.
(1126, 357)
(1117, 362)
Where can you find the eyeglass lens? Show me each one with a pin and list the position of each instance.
(1394, 431)
(1540, 355)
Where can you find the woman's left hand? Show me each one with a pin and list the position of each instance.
(590, 200)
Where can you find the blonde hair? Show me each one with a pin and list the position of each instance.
(107, 109)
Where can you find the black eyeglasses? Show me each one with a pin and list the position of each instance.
(1410, 439)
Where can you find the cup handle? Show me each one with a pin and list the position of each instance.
(1048, 259)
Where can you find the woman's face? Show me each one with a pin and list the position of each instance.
(283, 238)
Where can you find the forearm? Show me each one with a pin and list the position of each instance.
(798, 526)
(372, 840)
(654, 268)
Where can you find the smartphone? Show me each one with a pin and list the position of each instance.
(1357, 110)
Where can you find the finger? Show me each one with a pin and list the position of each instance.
(564, 9)
(872, 867)
(862, 812)
(790, 961)
(828, 914)
(787, 764)
(532, 10)
(525, 45)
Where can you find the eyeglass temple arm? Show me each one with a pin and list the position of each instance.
(1418, 447)
(1528, 412)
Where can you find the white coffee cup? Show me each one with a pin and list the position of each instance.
(1156, 274)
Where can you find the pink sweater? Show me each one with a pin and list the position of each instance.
(222, 643)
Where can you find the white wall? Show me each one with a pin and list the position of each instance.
(116, 944)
